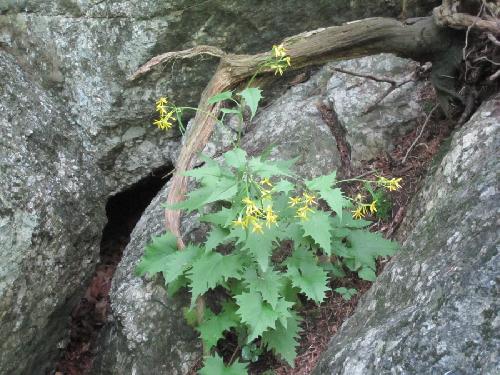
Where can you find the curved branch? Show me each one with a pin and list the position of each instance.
(419, 41)
(185, 54)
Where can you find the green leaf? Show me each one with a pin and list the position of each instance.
(306, 275)
(214, 365)
(216, 237)
(366, 247)
(333, 197)
(259, 315)
(236, 158)
(322, 182)
(252, 96)
(284, 186)
(346, 293)
(318, 227)
(268, 284)
(213, 326)
(155, 253)
(223, 217)
(222, 189)
(366, 273)
(212, 170)
(283, 341)
(220, 97)
(176, 263)
(260, 246)
(212, 269)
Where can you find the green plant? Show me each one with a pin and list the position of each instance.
(269, 242)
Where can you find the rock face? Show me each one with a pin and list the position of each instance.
(434, 309)
(75, 131)
(150, 337)
(83, 51)
(51, 215)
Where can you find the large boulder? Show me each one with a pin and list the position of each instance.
(83, 51)
(51, 217)
(434, 309)
(146, 332)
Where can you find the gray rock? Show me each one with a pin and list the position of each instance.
(82, 51)
(51, 216)
(372, 129)
(434, 309)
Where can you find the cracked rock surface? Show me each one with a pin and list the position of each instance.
(434, 309)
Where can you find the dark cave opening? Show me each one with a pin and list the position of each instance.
(123, 211)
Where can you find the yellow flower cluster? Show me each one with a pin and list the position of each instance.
(167, 118)
(390, 184)
(280, 60)
(303, 205)
(256, 216)
(363, 208)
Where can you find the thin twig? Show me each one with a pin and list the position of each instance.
(369, 76)
(419, 134)
(233, 356)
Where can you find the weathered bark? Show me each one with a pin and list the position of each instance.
(420, 40)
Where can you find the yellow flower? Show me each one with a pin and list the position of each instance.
(358, 213)
(394, 183)
(166, 121)
(287, 60)
(251, 207)
(240, 223)
(302, 212)
(270, 216)
(373, 207)
(162, 101)
(391, 185)
(256, 227)
(266, 194)
(309, 199)
(279, 51)
(266, 181)
(294, 201)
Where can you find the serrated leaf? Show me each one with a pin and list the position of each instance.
(284, 186)
(155, 254)
(306, 275)
(366, 247)
(211, 170)
(216, 237)
(214, 365)
(223, 217)
(222, 189)
(220, 97)
(346, 293)
(260, 246)
(176, 263)
(259, 315)
(236, 158)
(318, 227)
(366, 273)
(268, 284)
(322, 182)
(213, 326)
(283, 341)
(212, 269)
(333, 197)
(252, 96)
